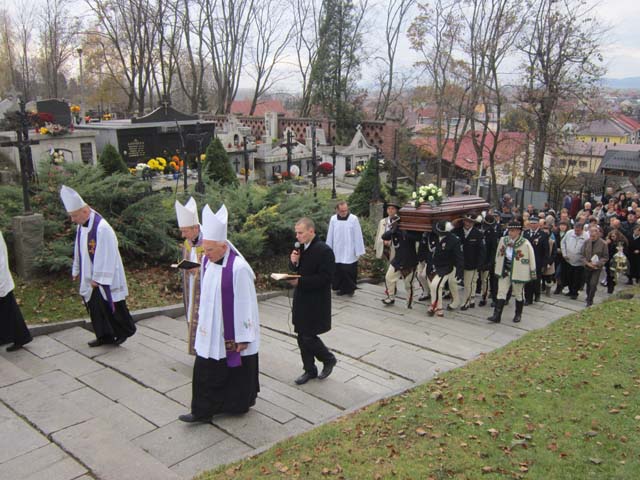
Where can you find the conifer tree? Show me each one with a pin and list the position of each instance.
(217, 165)
(111, 161)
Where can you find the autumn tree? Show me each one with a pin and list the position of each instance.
(337, 65)
(396, 17)
(563, 64)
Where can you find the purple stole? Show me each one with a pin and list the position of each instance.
(91, 248)
(233, 358)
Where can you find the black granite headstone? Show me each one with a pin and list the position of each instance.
(60, 111)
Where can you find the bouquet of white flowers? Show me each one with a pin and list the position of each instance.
(426, 193)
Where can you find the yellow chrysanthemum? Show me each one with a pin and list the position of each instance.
(161, 161)
(44, 131)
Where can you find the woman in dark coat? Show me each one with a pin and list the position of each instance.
(315, 263)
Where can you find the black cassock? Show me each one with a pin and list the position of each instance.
(12, 326)
(217, 388)
(108, 324)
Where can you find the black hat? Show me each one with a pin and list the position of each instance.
(515, 224)
(489, 219)
(443, 226)
(472, 217)
(393, 202)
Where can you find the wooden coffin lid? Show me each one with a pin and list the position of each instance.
(423, 218)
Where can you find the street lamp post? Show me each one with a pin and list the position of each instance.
(333, 157)
(79, 50)
(245, 153)
(314, 173)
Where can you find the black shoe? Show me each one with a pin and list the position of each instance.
(388, 301)
(536, 298)
(100, 341)
(482, 303)
(518, 315)
(327, 369)
(339, 293)
(305, 377)
(464, 307)
(573, 296)
(13, 348)
(450, 308)
(191, 418)
(120, 340)
(472, 305)
(423, 297)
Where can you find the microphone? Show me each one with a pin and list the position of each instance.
(296, 247)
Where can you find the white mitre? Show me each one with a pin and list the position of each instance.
(187, 214)
(214, 225)
(71, 199)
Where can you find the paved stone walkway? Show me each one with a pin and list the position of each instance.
(68, 411)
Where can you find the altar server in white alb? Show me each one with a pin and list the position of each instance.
(345, 239)
(192, 251)
(97, 263)
(225, 372)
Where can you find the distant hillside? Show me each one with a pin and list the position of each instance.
(628, 82)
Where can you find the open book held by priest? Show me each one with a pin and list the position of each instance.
(284, 276)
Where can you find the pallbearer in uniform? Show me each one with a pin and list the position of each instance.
(12, 326)
(447, 261)
(225, 372)
(488, 281)
(515, 266)
(345, 239)
(97, 263)
(473, 248)
(192, 250)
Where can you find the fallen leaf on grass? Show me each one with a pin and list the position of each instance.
(282, 468)
(306, 459)
(421, 431)
(614, 411)
(487, 469)
(493, 432)
(595, 461)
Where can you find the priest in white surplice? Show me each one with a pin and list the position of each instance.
(225, 372)
(97, 263)
(192, 251)
(345, 239)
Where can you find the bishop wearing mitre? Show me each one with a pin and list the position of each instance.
(98, 267)
(192, 251)
(225, 371)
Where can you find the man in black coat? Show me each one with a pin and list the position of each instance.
(474, 251)
(315, 263)
(539, 240)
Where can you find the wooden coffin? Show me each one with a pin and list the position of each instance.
(423, 218)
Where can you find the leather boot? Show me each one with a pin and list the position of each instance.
(497, 312)
(518, 317)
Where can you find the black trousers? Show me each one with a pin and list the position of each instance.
(12, 325)
(311, 347)
(216, 388)
(575, 278)
(532, 288)
(107, 324)
(591, 277)
(345, 277)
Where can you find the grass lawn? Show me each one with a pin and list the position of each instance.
(55, 298)
(559, 403)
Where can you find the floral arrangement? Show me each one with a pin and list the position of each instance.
(325, 168)
(175, 164)
(57, 157)
(427, 193)
(157, 164)
(53, 130)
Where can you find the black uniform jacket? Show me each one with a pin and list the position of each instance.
(539, 240)
(312, 296)
(472, 247)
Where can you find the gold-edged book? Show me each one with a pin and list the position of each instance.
(185, 265)
(284, 276)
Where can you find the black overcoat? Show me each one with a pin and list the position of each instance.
(312, 296)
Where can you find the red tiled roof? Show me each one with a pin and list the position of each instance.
(510, 144)
(630, 122)
(242, 107)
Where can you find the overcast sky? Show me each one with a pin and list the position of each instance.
(623, 52)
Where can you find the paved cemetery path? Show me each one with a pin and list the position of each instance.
(68, 411)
